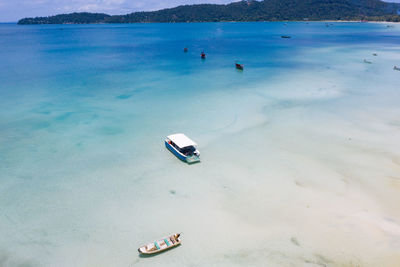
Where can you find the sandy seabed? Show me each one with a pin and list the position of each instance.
(302, 169)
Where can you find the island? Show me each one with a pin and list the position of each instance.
(247, 10)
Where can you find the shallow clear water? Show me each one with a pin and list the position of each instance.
(300, 151)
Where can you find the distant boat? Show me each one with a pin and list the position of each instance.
(160, 245)
(375, 54)
(239, 66)
(183, 147)
(286, 36)
(396, 68)
(203, 55)
(368, 62)
(185, 49)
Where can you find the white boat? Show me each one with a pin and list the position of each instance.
(160, 245)
(183, 147)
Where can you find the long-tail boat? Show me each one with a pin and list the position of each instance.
(161, 245)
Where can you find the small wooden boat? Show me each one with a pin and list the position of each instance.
(203, 55)
(185, 49)
(161, 245)
(239, 66)
(396, 68)
(286, 36)
(183, 147)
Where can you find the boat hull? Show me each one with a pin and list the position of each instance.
(158, 251)
(175, 152)
(161, 245)
(239, 66)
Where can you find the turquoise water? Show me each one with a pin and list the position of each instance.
(299, 148)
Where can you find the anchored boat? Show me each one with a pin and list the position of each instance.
(161, 245)
(239, 66)
(396, 68)
(183, 147)
(203, 55)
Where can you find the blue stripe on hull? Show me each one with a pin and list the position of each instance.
(172, 149)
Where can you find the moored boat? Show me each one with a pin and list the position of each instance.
(185, 49)
(161, 245)
(239, 66)
(286, 36)
(203, 55)
(183, 147)
(396, 68)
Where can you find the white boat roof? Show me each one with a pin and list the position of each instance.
(181, 140)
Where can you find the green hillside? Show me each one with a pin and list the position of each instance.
(267, 10)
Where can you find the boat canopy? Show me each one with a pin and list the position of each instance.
(181, 140)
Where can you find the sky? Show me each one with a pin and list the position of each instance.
(13, 10)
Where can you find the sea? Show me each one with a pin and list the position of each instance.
(300, 151)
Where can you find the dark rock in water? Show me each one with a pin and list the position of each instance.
(322, 260)
(294, 241)
(299, 183)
